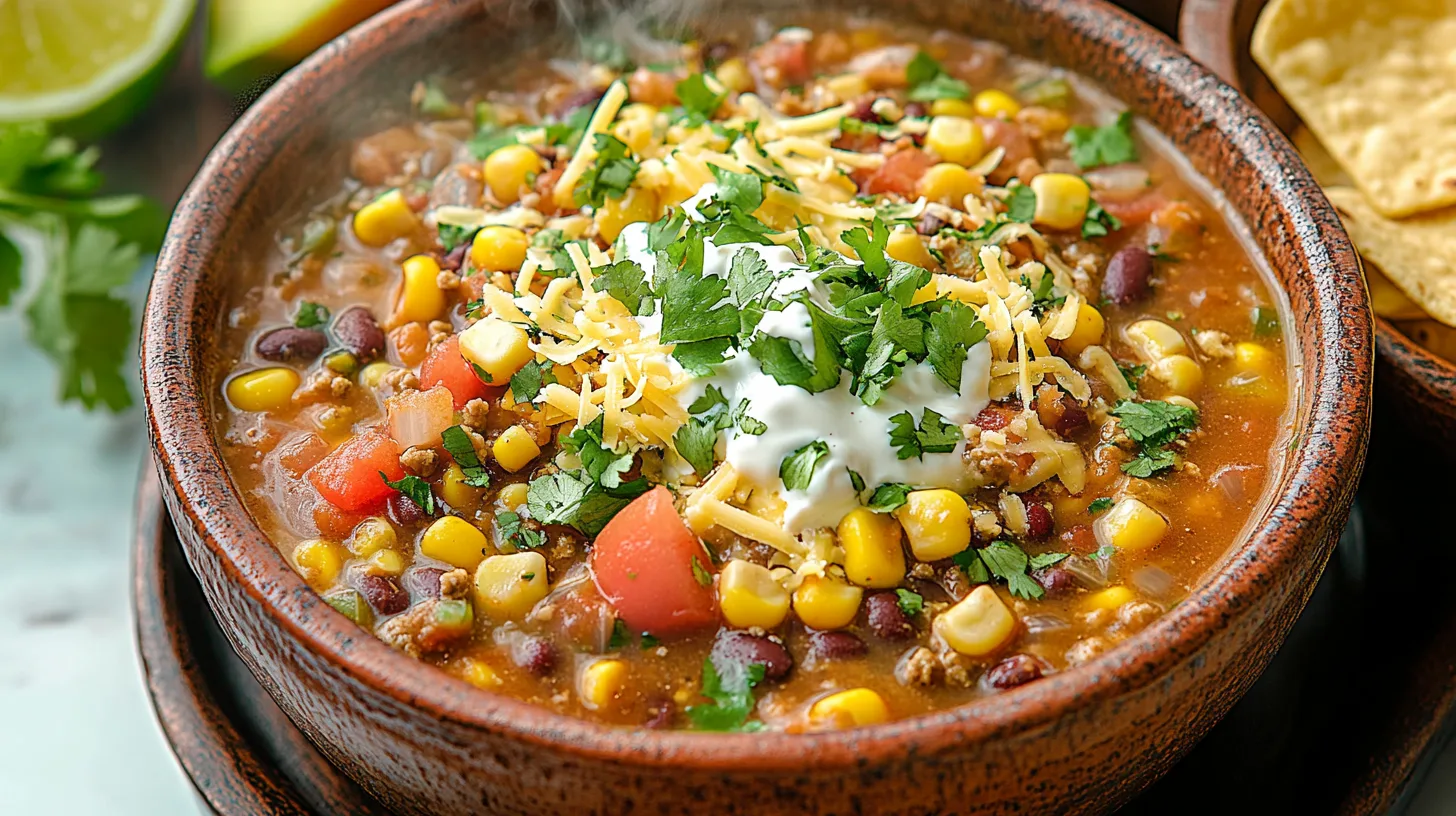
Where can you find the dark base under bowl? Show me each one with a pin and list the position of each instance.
(1316, 734)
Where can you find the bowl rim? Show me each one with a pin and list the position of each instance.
(1336, 417)
(1206, 31)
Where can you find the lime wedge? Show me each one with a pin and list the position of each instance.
(253, 40)
(87, 64)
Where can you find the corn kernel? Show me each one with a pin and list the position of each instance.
(849, 709)
(636, 134)
(1253, 358)
(948, 184)
(826, 603)
(733, 73)
(511, 169)
(1155, 339)
(600, 681)
(637, 205)
(749, 596)
(420, 297)
(372, 535)
(905, 245)
(952, 107)
(1130, 526)
(956, 139)
(1087, 332)
(508, 586)
(455, 491)
(1110, 598)
(372, 375)
(499, 348)
(847, 86)
(318, 561)
(386, 562)
(512, 496)
(1179, 372)
(266, 389)
(499, 249)
(385, 219)
(976, 626)
(992, 103)
(515, 448)
(478, 673)
(937, 523)
(1062, 200)
(872, 553)
(455, 541)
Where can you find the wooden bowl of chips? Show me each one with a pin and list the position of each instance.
(1343, 62)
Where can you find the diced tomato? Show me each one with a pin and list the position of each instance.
(642, 562)
(335, 523)
(1132, 212)
(349, 479)
(785, 61)
(900, 173)
(446, 367)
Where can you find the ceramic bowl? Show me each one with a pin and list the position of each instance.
(1080, 741)
(1416, 389)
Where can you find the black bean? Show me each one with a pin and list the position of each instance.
(358, 331)
(535, 655)
(423, 582)
(1129, 275)
(1054, 580)
(885, 617)
(835, 646)
(382, 593)
(1016, 670)
(291, 345)
(742, 649)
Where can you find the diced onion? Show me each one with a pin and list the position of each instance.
(417, 418)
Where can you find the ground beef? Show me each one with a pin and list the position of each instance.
(918, 668)
(455, 584)
(420, 461)
(476, 414)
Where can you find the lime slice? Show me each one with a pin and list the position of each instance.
(250, 41)
(90, 64)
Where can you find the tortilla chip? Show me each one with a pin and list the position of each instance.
(1432, 336)
(1417, 254)
(1386, 298)
(1322, 165)
(1376, 82)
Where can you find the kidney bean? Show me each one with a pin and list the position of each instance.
(404, 512)
(382, 593)
(916, 110)
(423, 582)
(455, 258)
(291, 344)
(358, 331)
(1038, 520)
(864, 111)
(743, 649)
(835, 646)
(1129, 275)
(885, 617)
(1016, 670)
(1054, 580)
(1060, 412)
(535, 655)
(929, 224)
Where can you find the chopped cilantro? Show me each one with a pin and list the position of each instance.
(453, 235)
(1099, 222)
(855, 480)
(694, 441)
(934, 435)
(749, 278)
(694, 305)
(310, 314)
(698, 358)
(601, 464)
(1098, 146)
(928, 80)
(1105, 552)
(797, 469)
(649, 641)
(510, 527)
(610, 174)
(732, 694)
(573, 499)
(527, 383)
(700, 572)
(627, 282)
(1153, 425)
(1132, 374)
(1021, 204)
(1047, 559)
(951, 333)
(747, 424)
(1149, 462)
(1099, 505)
(889, 497)
(970, 563)
(1009, 562)
(415, 489)
(1266, 322)
(784, 360)
(457, 444)
(620, 635)
(698, 100)
(909, 602)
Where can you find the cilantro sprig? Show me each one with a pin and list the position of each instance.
(929, 81)
(1006, 561)
(1099, 146)
(731, 692)
(1154, 425)
(610, 174)
(934, 435)
(457, 443)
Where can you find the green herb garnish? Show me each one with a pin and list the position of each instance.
(457, 444)
(415, 489)
(1099, 146)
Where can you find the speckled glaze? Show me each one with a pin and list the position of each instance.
(1414, 387)
(1077, 742)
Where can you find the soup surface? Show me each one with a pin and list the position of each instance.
(795, 384)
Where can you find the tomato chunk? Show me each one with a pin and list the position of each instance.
(446, 367)
(899, 174)
(349, 479)
(642, 562)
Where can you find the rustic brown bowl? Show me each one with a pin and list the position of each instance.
(1080, 741)
(1415, 388)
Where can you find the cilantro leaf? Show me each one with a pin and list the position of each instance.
(527, 383)
(457, 444)
(889, 497)
(1021, 204)
(747, 424)
(971, 564)
(698, 100)
(732, 694)
(98, 261)
(1098, 146)
(1154, 422)
(1008, 562)
(1099, 505)
(620, 635)
(310, 314)
(694, 441)
(601, 464)
(698, 358)
(627, 282)
(415, 489)
(909, 602)
(928, 80)
(1266, 321)
(934, 435)
(856, 480)
(10, 263)
(610, 174)
(510, 527)
(1099, 222)
(784, 359)
(797, 469)
(741, 190)
(693, 306)
(662, 232)
(572, 499)
(453, 235)
(748, 277)
(951, 332)
(712, 398)
(1132, 373)
(1149, 462)
(870, 247)
(903, 437)
(1045, 560)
